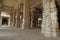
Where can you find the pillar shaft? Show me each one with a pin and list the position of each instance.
(26, 17)
(0, 18)
(32, 15)
(14, 17)
(31, 18)
(49, 23)
(11, 19)
(17, 19)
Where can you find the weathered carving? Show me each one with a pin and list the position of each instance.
(49, 23)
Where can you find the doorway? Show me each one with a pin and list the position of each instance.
(37, 18)
(4, 20)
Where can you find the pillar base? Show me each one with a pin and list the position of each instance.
(51, 33)
(43, 30)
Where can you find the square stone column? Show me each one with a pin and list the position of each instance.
(11, 19)
(0, 19)
(50, 20)
(31, 10)
(17, 16)
(26, 17)
(14, 17)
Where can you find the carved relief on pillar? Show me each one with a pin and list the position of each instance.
(0, 17)
(11, 19)
(18, 16)
(14, 17)
(31, 10)
(50, 21)
(54, 18)
(46, 15)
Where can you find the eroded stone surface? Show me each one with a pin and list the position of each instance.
(50, 21)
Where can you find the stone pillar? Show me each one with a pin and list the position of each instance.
(54, 18)
(11, 19)
(0, 19)
(14, 18)
(32, 9)
(49, 22)
(31, 18)
(26, 17)
(20, 15)
(17, 18)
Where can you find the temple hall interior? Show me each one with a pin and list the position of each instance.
(29, 19)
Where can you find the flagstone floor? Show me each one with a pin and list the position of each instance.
(26, 34)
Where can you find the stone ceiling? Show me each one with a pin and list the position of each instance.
(11, 3)
(14, 3)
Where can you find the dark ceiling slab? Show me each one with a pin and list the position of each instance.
(1, 3)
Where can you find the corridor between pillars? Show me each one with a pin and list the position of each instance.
(50, 21)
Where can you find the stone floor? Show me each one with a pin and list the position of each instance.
(26, 34)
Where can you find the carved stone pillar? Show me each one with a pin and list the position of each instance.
(17, 18)
(0, 19)
(54, 19)
(50, 21)
(32, 9)
(14, 18)
(11, 19)
(26, 17)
